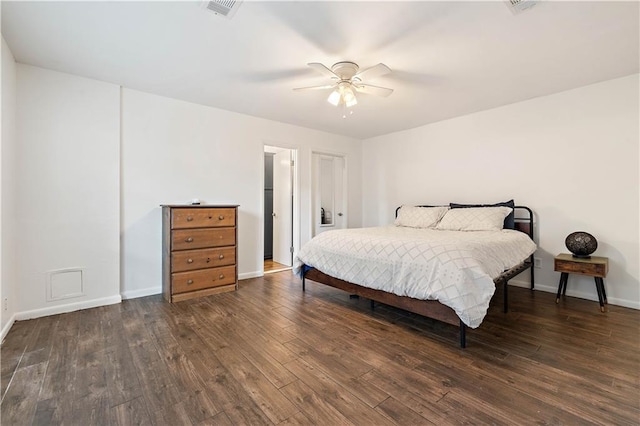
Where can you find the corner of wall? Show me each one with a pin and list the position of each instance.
(8, 287)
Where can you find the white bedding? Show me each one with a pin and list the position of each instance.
(456, 268)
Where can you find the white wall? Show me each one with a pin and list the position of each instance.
(174, 151)
(7, 191)
(572, 157)
(67, 180)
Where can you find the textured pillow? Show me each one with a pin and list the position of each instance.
(474, 219)
(509, 221)
(419, 217)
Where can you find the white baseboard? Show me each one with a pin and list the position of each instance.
(247, 275)
(7, 327)
(134, 294)
(70, 307)
(633, 304)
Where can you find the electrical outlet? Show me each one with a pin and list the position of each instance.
(537, 262)
(5, 304)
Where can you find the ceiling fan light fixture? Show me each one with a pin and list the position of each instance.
(334, 98)
(343, 95)
(349, 97)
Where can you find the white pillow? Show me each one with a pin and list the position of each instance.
(474, 219)
(419, 217)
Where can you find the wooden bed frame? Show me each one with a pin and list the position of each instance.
(431, 308)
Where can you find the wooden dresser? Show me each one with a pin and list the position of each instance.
(199, 250)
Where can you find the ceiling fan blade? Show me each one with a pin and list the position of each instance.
(373, 72)
(323, 70)
(373, 90)
(326, 86)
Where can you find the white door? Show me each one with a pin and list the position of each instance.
(329, 193)
(282, 207)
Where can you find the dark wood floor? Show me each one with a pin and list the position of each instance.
(270, 354)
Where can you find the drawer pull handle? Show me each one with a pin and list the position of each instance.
(189, 260)
(220, 217)
(189, 281)
(221, 276)
(189, 240)
(189, 218)
(221, 257)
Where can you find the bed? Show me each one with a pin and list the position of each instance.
(440, 272)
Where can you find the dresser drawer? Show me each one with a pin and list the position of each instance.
(186, 239)
(183, 282)
(202, 218)
(188, 260)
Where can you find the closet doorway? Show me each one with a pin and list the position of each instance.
(279, 173)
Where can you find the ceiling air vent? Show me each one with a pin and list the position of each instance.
(226, 8)
(518, 6)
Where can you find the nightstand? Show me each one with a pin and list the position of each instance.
(594, 266)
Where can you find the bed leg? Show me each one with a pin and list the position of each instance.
(303, 283)
(463, 335)
(532, 273)
(506, 296)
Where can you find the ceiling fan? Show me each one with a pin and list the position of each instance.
(346, 80)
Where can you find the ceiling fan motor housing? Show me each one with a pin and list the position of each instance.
(345, 70)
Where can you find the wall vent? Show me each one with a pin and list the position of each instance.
(226, 8)
(65, 284)
(519, 6)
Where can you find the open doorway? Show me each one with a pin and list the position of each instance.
(279, 171)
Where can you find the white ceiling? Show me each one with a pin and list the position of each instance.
(448, 58)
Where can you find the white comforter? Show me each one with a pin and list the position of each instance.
(456, 268)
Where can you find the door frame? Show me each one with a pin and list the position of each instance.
(295, 232)
(314, 183)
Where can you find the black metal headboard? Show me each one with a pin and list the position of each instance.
(398, 208)
(524, 224)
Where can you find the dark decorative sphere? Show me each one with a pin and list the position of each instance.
(581, 244)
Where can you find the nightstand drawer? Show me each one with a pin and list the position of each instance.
(584, 268)
(202, 218)
(188, 260)
(206, 278)
(200, 238)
